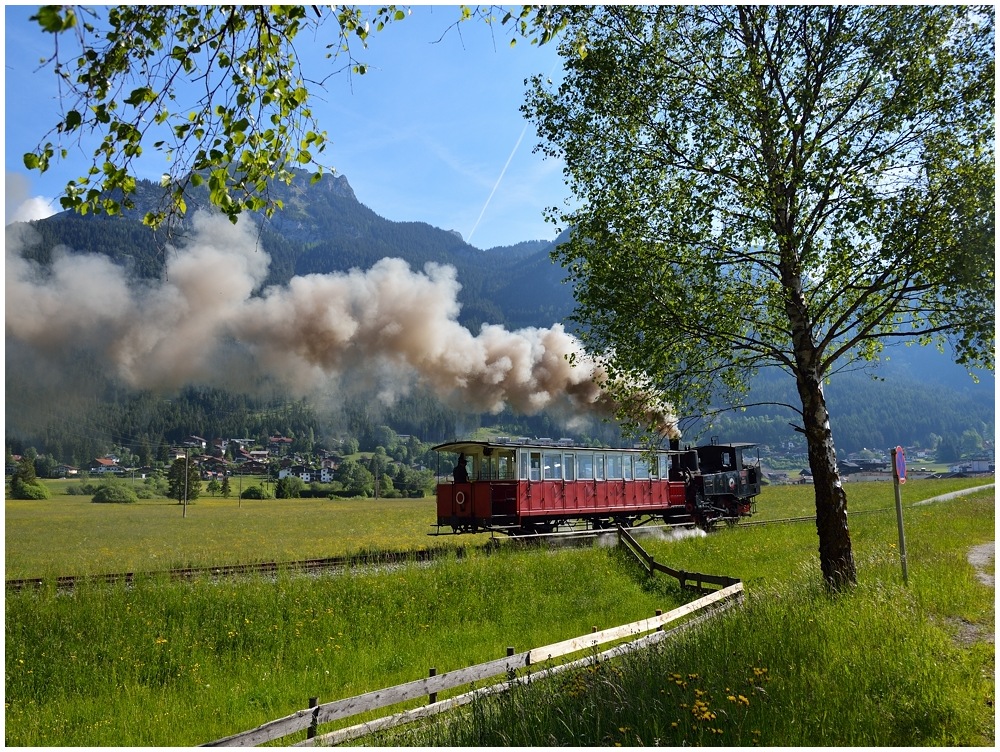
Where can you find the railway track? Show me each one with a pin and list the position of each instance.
(68, 582)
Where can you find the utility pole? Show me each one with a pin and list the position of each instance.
(186, 454)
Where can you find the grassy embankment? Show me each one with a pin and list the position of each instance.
(179, 664)
(886, 665)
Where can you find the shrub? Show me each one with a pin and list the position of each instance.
(289, 487)
(115, 493)
(28, 491)
(255, 492)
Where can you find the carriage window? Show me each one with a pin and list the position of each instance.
(641, 469)
(627, 467)
(599, 468)
(535, 472)
(586, 462)
(664, 466)
(727, 461)
(505, 467)
(553, 466)
(614, 466)
(569, 467)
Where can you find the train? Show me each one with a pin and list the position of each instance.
(525, 487)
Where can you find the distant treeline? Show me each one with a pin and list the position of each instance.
(147, 425)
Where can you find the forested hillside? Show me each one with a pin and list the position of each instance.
(325, 229)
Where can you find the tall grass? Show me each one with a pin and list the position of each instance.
(166, 663)
(887, 664)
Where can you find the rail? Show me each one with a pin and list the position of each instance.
(309, 719)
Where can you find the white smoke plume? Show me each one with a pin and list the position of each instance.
(204, 324)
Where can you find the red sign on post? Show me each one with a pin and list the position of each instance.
(900, 458)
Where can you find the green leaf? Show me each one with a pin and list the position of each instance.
(50, 19)
(141, 95)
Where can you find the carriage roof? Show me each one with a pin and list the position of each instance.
(476, 447)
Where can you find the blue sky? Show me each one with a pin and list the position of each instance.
(423, 136)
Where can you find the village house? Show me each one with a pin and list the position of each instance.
(279, 444)
(307, 474)
(104, 465)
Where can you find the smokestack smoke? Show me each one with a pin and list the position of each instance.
(203, 323)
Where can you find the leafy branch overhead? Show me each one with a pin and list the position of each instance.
(219, 91)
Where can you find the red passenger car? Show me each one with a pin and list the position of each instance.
(522, 486)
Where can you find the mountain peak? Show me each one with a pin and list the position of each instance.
(336, 185)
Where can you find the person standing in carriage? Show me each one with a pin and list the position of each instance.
(460, 473)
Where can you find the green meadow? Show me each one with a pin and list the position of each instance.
(69, 535)
(886, 665)
(177, 664)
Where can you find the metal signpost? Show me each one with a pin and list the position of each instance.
(899, 477)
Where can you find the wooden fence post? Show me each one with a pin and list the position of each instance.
(659, 612)
(433, 696)
(314, 724)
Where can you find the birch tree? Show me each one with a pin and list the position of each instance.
(789, 187)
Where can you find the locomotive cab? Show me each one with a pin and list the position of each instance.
(729, 482)
(719, 458)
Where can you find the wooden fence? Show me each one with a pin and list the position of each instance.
(652, 566)
(309, 719)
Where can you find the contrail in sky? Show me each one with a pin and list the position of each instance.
(497, 184)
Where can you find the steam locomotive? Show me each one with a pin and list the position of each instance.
(524, 487)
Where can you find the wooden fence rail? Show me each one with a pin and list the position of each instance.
(301, 720)
(652, 566)
(309, 719)
(407, 716)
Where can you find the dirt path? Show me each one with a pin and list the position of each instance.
(955, 494)
(980, 558)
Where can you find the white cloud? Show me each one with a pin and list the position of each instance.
(19, 205)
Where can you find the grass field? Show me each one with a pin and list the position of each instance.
(68, 535)
(886, 665)
(164, 663)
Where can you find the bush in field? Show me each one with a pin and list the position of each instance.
(114, 492)
(289, 487)
(24, 484)
(28, 491)
(255, 492)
